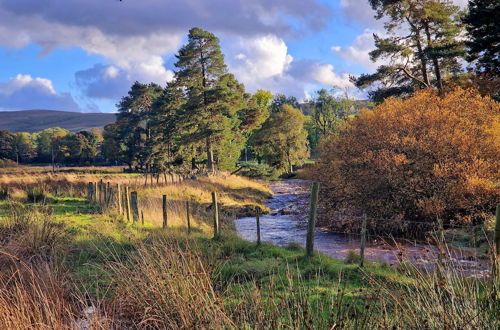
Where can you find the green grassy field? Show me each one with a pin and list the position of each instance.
(68, 254)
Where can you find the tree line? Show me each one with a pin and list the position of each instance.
(204, 118)
(52, 145)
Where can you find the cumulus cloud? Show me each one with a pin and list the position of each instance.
(264, 62)
(357, 53)
(111, 82)
(25, 92)
(135, 36)
(259, 59)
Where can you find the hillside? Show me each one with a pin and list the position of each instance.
(37, 120)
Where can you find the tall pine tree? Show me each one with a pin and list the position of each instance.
(213, 97)
(483, 45)
(421, 48)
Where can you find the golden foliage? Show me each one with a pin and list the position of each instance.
(417, 158)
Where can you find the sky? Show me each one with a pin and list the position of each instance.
(83, 55)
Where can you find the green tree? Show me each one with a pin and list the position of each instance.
(255, 115)
(422, 46)
(280, 100)
(213, 97)
(24, 148)
(328, 111)
(168, 148)
(45, 142)
(111, 146)
(483, 46)
(7, 145)
(282, 140)
(133, 129)
(257, 110)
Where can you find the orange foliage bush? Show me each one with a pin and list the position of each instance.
(415, 159)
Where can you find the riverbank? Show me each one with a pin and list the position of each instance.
(133, 276)
(287, 223)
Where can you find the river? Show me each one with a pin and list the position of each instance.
(287, 223)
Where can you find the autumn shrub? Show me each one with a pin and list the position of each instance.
(419, 159)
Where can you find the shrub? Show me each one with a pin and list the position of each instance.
(352, 257)
(4, 192)
(416, 159)
(36, 194)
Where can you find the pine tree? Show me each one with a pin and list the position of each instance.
(483, 45)
(133, 129)
(422, 56)
(213, 97)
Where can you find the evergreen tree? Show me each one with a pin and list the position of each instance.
(168, 148)
(213, 98)
(422, 46)
(6, 145)
(483, 45)
(133, 127)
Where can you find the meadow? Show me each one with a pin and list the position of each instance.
(67, 262)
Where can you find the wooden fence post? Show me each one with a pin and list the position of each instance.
(90, 191)
(188, 217)
(363, 242)
(312, 219)
(142, 217)
(257, 220)
(119, 199)
(109, 202)
(127, 205)
(108, 194)
(135, 206)
(102, 192)
(216, 215)
(165, 215)
(96, 192)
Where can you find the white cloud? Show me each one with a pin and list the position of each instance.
(357, 53)
(134, 36)
(26, 92)
(264, 62)
(324, 74)
(259, 59)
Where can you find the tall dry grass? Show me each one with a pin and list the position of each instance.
(35, 289)
(163, 287)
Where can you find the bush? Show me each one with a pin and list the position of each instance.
(256, 170)
(36, 194)
(4, 192)
(7, 163)
(416, 159)
(352, 257)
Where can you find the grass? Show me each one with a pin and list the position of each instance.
(62, 256)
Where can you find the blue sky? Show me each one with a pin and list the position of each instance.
(83, 55)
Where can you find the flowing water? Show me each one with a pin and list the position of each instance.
(287, 223)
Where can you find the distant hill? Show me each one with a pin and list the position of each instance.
(37, 120)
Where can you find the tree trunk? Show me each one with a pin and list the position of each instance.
(423, 60)
(435, 62)
(210, 156)
(421, 54)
